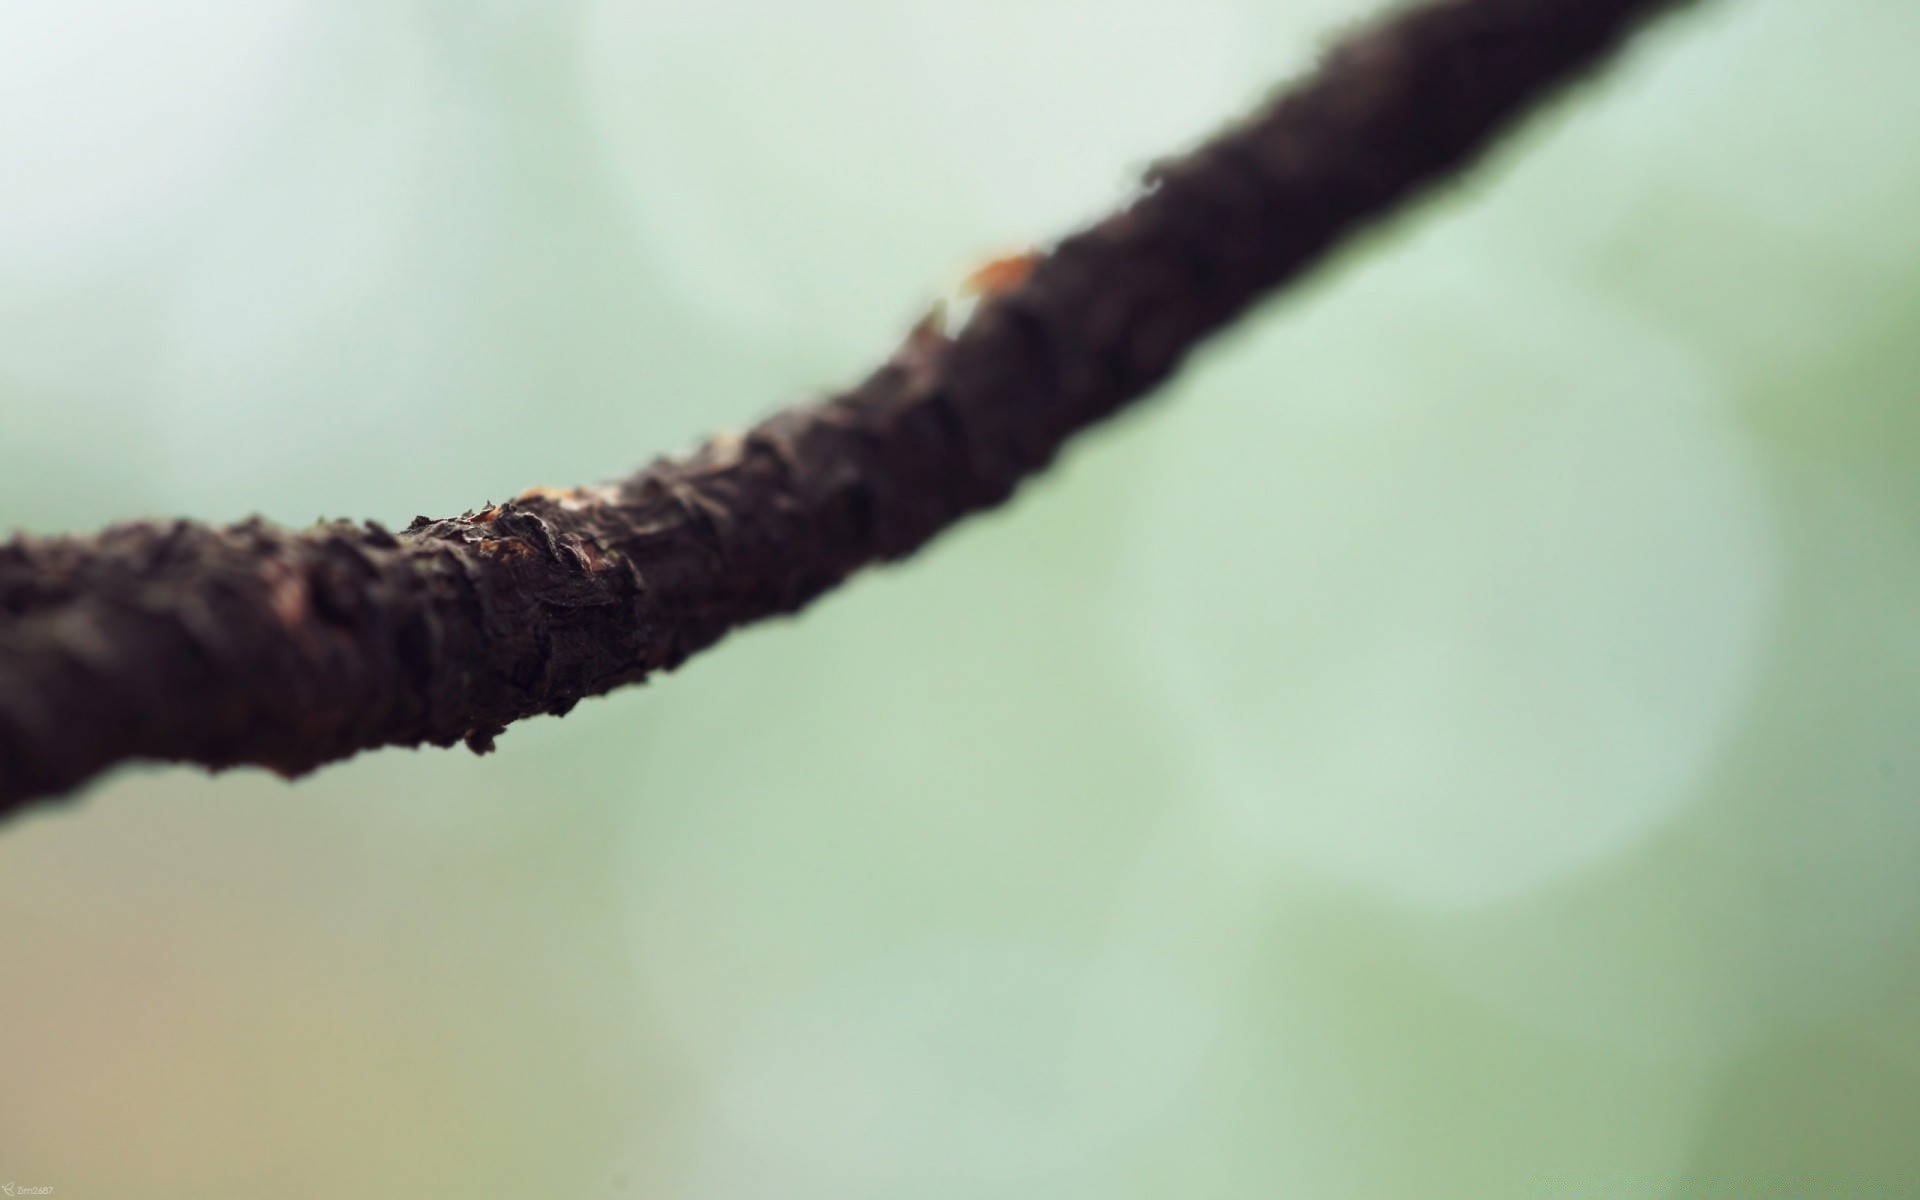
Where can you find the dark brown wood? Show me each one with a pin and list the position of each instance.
(289, 649)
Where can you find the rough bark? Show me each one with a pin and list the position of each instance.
(289, 649)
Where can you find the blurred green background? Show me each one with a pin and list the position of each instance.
(1463, 741)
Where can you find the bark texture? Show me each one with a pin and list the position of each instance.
(289, 649)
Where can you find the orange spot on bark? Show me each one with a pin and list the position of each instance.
(547, 493)
(504, 547)
(1000, 274)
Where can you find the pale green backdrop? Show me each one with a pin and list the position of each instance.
(1462, 741)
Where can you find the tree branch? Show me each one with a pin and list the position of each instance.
(289, 649)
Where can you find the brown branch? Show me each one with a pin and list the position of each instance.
(289, 649)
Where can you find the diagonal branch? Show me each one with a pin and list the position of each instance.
(289, 649)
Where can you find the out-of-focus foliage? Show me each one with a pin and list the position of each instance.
(1464, 741)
